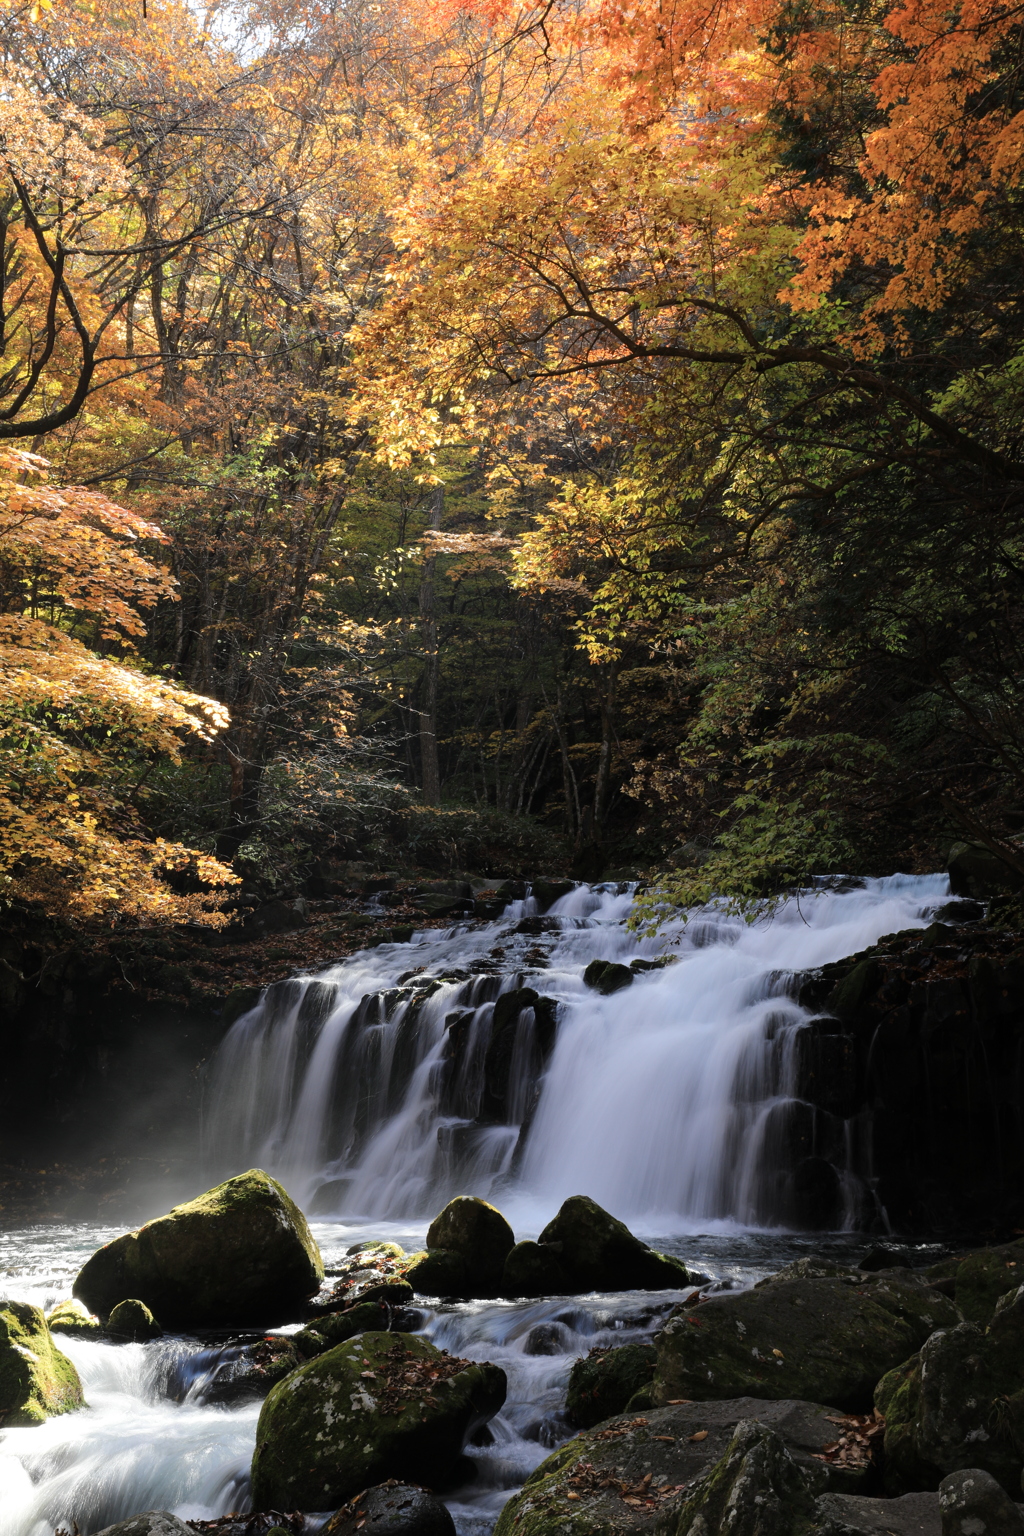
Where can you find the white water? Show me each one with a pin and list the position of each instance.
(658, 1101)
(665, 1101)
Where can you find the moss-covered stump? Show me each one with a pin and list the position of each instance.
(240, 1253)
(36, 1380)
(636, 1473)
(338, 1327)
(480, 1236)
(958, 1403)
(981, 1277)
(72, 1318)
(383, 1405)
(531, 1269)
(823, 1340)
(599, 1253)
(602, 1383)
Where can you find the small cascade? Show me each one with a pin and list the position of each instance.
(476, 1059)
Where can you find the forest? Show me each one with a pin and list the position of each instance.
(478, 436)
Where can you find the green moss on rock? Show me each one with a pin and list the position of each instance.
(599, 1252)
(36, 1380)
(482, 1238)
(337, 1327)
(602, 1383)
(532, 1269)
(823, 1340)
(437, 1272)
(240, 1253)
(72, 1318)
(382, 1405)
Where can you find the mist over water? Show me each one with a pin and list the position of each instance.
(662, 1101)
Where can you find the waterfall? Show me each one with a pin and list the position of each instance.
(476, 1060)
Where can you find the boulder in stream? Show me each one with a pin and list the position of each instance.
(599, 1253)
(71, 1317)
(240, 1253)
(824, 1340)
(155, 1522)
(663, 1469)
(533, 1269)
(392, 1509)
(602, 1383)
(479, 1235)
(36, 1380)
(338, 1327)
(382, 1405)
(131, 1322)
(958, 1403)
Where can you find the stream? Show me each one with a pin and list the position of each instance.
(658, 1101)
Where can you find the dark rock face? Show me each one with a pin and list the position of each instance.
(245, 1373)
(338, 1327)
(914, 1060)
(392, 1509)
(979, 1279)
(131, 1322)
(156, 1522)
(973, 1504)
(533, 1269)
(958, 1403)
(478, 1234)
(384, 1404)
(598, 1252)
(603, 1382)
(844, 1514)
(239, 1253)
(606, 977)
(824, 1340)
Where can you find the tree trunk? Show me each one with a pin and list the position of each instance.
(430, 768)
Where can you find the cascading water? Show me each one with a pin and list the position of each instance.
(409, 1073)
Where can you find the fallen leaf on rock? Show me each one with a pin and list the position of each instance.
(701, 1434)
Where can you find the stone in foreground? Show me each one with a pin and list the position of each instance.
(392, 1509)
(36, 1380)
(842, 1514)
(599, 1253)
(823, 1340)
(155, 1522)
(240, 1253)
(382, 1405)
(973, 1504)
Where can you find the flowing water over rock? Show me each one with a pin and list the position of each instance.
(665, 1101)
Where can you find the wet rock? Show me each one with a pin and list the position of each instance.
(547, 892)
(973, 1504)
(155, 1522)
(240, 1253)
(36, 1380)
(599, 1253)
(607, 977)
(276, 917)
(382, 1405)
(481, 1237)
(603, 1382)
(636, 1473)
(392, 1509)
(545, 1339)
(337, 1327)
(71, 1317)
(131, 1322)
(974, 870)
(531, 1269)
(371, 1271)
(437, 1272)
(981, 1277)
(756, 1489)
(958, 1403)
(823, 1340)
(842, 1514)
(246, 1373)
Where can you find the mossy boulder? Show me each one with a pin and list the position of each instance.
(478, 1234)
(607, 976)
(382, 1405)
(36, 1380)
(599, 1253)
(532, 1269)
(437, 1272)
(71, 1317)
(602, 1383)
(981, 1277)
(240, 1253)
(958, 1403)
(639, 1473)
(824, 1340)
(337, 1327)
(131, 1322)
(369, 1272)
(246, 1372)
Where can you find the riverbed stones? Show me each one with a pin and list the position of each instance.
(246, 1373)
(155, 1522)
(973, 1504)
(392, 1509)
(338, 1327)
(240, 1253)
(844, 1514)
(71, 1317)
(131, 1322)
(479, 1234)
(599, 1253)
(958, 1403)
(438, 1272)
(382, 1405)
(602, 1383)
(36, 1380)
(641, 1472)
(533, 1269)
(823, 1340)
